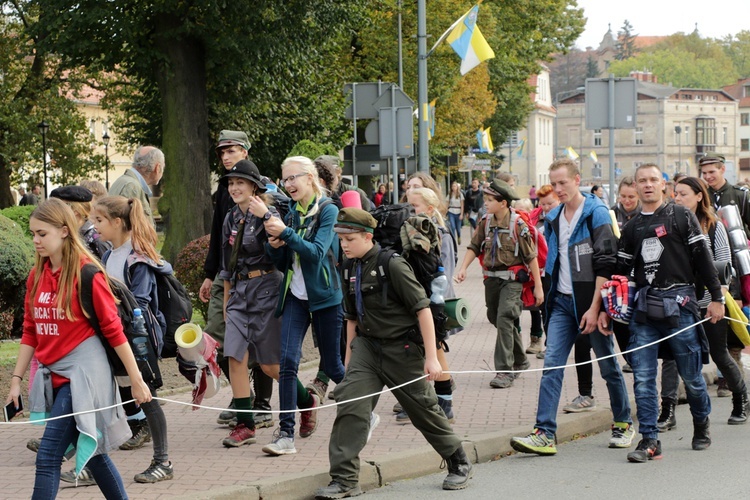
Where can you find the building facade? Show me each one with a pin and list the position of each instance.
(741, 92)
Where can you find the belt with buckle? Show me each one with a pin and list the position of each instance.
(253, 274)
(503, 275)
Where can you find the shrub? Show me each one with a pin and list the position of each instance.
(16, 260)
(19, 215)
(189, 270)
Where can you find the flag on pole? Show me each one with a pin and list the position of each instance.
(571, 153)
(594, 158)
(484, 140)
(521, 148)
(431, 127)
(467, 40)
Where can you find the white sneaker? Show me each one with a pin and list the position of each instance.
(622, 435)
(374, 421)
(580, 404)
(282, 444)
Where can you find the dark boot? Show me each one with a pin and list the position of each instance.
(447, 406)
(459, 470)
(336, 490)
(667, 420)
(701, 436)
(740, 409)
(263, 385)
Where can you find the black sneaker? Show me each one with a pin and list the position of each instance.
(647, 449)
(85, 478)
(336, 490)
(155, 473)
(227, 416)
(141, 435)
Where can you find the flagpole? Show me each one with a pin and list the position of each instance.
(424, 119)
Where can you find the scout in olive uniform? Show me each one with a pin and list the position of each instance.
(502, 251)
(385, 349)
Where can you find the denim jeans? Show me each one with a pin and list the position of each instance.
(327, 329)
(455, 225)
(562, 332)
(58, 435)
(686, 349)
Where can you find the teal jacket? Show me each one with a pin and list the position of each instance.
(318, 251)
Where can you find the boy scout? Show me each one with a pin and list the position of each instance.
(502, 251)
(385, 349)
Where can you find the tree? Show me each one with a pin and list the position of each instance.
(625, 42)
(737, 48)
(592, 68)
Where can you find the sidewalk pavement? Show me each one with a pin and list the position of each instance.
(486, 418)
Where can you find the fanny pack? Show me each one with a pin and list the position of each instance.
(655, 308)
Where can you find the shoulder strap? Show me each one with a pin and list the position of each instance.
(382, 267)
(88, 272)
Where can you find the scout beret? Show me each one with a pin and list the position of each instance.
(245, 169)
(72, 193)
(709, 158)
(233, 138)
(501, 189)
(354, 220)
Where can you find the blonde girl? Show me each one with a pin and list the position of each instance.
(456, 210)
(73, 363)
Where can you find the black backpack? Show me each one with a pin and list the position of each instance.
(390, 219)
(126, 304)
(176, 306)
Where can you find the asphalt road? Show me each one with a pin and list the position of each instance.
(587, 468)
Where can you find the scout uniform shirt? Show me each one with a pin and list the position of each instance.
(404, 299)
(499, 251)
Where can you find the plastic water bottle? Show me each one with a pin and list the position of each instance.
(438, 287)
(139, 344)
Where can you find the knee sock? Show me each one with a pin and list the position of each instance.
(263, 385)
(244, 417)
(322, 376)
(304, 400)
(443, 389)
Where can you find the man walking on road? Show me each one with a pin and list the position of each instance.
(582, 256)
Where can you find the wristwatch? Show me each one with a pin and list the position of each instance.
(722, 300)
(267, 215)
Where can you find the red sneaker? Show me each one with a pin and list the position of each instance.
(309, 418)
(240, 435)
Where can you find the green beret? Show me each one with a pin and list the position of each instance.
(501, 189)
(354, 220)
(709, 158)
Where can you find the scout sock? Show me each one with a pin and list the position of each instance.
(263, 385)
(323, 377)
(304, 400)
(242, 416)
(443, 389)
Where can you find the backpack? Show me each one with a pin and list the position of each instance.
(390, 219)
(523, 274)
(126, 304)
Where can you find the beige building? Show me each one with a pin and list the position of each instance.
(741, 92)
(674, 127)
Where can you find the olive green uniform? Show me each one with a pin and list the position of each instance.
(499, 255)
(381, 354)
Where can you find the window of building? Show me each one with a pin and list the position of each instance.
(92, 128)
(724, 136)
(744, 119)
(687, 134)
(744, 144)
(746, 91)
(705, 131)
(639, 136)
(597, 137)
(744, 163)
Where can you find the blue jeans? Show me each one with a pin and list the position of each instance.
(327, 327)
(561, 336)
(58, 435)
(686, 349)
(455, 224)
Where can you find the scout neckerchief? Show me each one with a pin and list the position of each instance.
(238, 242)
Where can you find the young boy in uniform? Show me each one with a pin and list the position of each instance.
(385, 349)
(503, 247)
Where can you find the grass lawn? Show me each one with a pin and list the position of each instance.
(8, 353)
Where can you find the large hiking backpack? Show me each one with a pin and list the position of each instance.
(390, 219)
(126, 304)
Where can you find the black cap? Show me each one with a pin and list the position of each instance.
(245, 169)
(72, 193)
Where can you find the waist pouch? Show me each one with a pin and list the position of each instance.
(655, 308)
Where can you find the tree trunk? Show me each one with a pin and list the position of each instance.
(185, 206)
(6, 197)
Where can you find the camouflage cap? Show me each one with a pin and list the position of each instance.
(709, 158)
(233, 138)
(501, 189)
(354, 220)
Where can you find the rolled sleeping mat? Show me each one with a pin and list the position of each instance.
(198, 350)
(457, 311)
(724, 270)
(190, 343)
(742, 258)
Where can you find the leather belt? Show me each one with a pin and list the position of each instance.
(253, 274)
(503, 275)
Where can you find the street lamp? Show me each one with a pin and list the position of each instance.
(43, 128)
(105, 140)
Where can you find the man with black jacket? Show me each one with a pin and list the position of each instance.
(473, 203)
(232, 147)
(662, 249)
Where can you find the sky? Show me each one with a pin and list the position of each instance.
(663, 17)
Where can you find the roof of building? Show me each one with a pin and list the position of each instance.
(736, 90)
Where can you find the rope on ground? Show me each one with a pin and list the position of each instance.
(387, 389)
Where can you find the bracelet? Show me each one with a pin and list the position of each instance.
(14, 375)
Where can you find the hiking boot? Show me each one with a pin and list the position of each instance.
(622, 435)
(308, 419)
(459, 470)
(536, 442)
(262, 420)
(397, 408)
(736, 354)
(227, 416)
(85, 478)
(701, 435)
(33, 444)
(647, 449)
(141, 435)
(318, 387)
(627, 368)
(722, 389)
(402, 418)
(580, 404)
(240, 435)
(536, 346)
(540, 355)
(282, 444)
(156, 472)
(502, 381)
(374, 421)
(520, 368)
(667, 419)
(447, 406)
(336, 490)
(740, 409)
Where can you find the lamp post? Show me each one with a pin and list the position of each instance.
(105, 140)
(43, 128)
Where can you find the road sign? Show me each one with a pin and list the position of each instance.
(370, 97)
(402, 119)
(597, 103)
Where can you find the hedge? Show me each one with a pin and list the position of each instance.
(16, 260)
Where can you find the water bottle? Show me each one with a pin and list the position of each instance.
(139, 344)
(439, 286)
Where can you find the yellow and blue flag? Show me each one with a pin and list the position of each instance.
(484, 140)
(521, 148)
(468, 42)
(571, 153)
(431, 127)
(594, 158)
